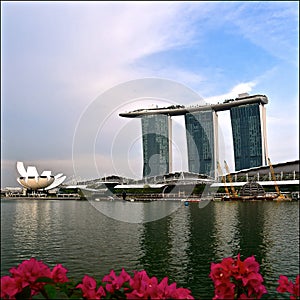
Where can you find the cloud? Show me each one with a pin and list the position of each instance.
(57, 58)
(110, 40)
(266, 24)
(243, 87)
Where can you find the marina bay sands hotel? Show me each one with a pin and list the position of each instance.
(248, 123)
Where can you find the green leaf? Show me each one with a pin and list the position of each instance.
(61, 295)
(76, 296)
(25, 294)
(51, 291)
(45, 279)
(38, 296)
(269, 297)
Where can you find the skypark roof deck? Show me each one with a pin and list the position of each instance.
(179, 110)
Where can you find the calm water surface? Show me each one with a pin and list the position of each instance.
(180, 246)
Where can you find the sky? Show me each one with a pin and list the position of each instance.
(69, 66)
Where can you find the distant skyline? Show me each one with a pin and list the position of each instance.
(57, 58)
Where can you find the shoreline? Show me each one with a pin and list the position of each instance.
(41, 198)
(181, 199)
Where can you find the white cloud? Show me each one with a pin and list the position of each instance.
(273, 26)
(108, 41)
(243, 87)
(60, 67)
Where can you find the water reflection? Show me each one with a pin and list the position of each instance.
(69, 232)
(31, 227)
(226, 229)
(179, 236)
(181, 246)
(251, 222)
(281, 241)
(156, 245)
(136, 212)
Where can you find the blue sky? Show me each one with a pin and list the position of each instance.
(58, 57)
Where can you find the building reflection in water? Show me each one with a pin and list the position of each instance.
(281, 241)
(181, 245)
(156, 244)
(26, 225)
(200, 249)
(136, 212)
(251, 217)
(226, 229)
(30, 228)
(179, 239)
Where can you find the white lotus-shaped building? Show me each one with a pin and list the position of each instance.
(31, 179)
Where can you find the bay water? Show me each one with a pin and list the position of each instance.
(181, 245)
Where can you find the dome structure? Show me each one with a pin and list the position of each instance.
(252, 189)
(30, 178)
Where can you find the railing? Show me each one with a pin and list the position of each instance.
(265, 177)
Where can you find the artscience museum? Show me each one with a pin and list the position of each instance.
(31, 180)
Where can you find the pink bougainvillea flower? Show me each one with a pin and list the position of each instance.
(248, 273)
(100, 293)
(252, 279)
(115, 282)
(124, 276)
(251, 265)
(110, 278)
(58, 274)
(164, 289)
(256, 289)
(288, 286)
(247, 266)
(28, 272)
(180, 293)
(219, 273)
(138, 280)
(284, 284)
(184, 293)
(88, 287)
(9, 287)
(245, 297)
(297, 286)
(233, 279)
(237, 278)
(143, 286)
(224, 291)
(228, 263)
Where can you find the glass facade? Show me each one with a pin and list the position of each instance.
(200, 142)
(155, 145)
(247, 138)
